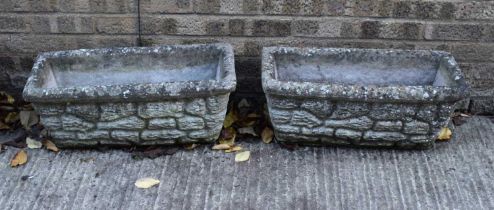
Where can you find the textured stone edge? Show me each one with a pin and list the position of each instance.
(33, 91)
(359, 92)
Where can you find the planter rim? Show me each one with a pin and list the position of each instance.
(34, 92)
(391, 93)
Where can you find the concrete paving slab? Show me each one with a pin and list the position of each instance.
(455, 175)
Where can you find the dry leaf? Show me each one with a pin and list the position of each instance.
(50, 145)
(221, 147)
(267, 135)
(20, 158)
(230, 118)
(8, 98)
(11, 117)
(190, 146)
(33, 144)
(147, 182)
(444, 134)
(242, 156)
(228, 136)
(247, 130)
(28, 118)
(4, 126)
(233, 149)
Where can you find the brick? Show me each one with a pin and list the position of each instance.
(160, 6)
(111, 6)
(402, 9)
(291, 7)
(336, 7)
(482, 105)
(276, 28)
(116, 25)
(447, 10)
(473, 52)
(207, 6)
(385, 8)
(475, 10)
(250, 6)
(68, 24)
(217, 28)
(41, 24)
(153, 25)
(425, 10)
(236, 27)
(74, 6)
(479, 75)
(14, 24)
(43, 5)
(305, 27)
(312, 7)
(370, 29)
(231, 7)
(364, 8)
(7, 64)
(271, 7)
(453, 32)
(393, 30)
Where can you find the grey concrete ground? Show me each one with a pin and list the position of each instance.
(455, 175)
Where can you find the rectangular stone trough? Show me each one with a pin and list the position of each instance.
(360, 97)
(133, 96)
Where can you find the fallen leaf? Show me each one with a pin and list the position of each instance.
(11, 117)
(33, 144)
(6, 98)
(4, 126)
(28, 118)
(20, 158)
(267, 135)
(242, 156)
(147, 182)
(233, 149)
(228, 136)
(190, 146)
(50, 145)
(221, 147)
(444, 134)
(243, 103)
(230, 118)
(247, 130)
(253, 115)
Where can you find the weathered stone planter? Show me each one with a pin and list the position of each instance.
(133, 96)
(360, 97)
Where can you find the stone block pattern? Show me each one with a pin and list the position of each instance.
(325, 121)
(464, 28)
(183, 121)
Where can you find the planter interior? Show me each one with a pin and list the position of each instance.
(360, 97)
(133, 96)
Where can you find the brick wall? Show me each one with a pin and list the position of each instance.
(464, 28)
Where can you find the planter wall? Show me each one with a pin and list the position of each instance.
(360, 97)
(133, 96)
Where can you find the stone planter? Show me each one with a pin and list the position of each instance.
(133, 96)
(360, 97)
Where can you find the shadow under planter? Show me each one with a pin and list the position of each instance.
(360, 97)
(133, 96)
